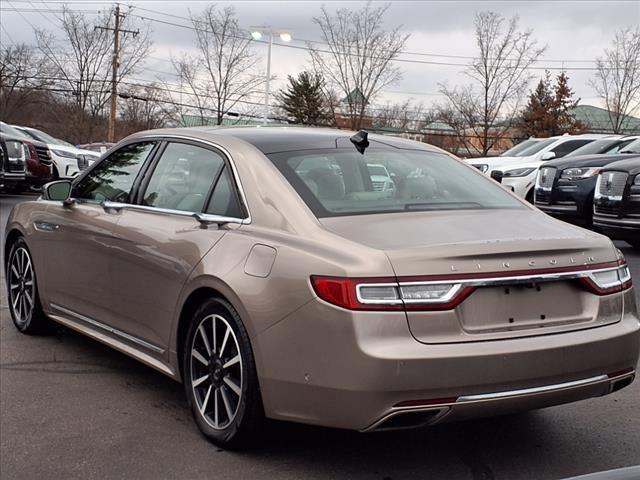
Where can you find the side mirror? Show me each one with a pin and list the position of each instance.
(548, 156)
(57, 191)
(497, 175)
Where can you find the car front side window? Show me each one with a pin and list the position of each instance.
(113, 178)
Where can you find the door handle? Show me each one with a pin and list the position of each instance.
(109, 206)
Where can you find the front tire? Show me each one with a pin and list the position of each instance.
(22, 292)
(220, 376)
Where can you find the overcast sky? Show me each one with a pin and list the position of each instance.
(575, 33)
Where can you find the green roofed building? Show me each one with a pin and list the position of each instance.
(597, 120)
(199, 121)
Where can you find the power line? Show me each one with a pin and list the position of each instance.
(426, 54)
(400, 60)
(7, 34)
(312, 42)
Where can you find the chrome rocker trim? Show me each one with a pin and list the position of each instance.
(99, 331)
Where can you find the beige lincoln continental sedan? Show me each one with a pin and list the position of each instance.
(271, 272)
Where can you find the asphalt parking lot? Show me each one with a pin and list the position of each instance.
(73, 408)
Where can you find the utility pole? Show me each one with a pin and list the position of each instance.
(114, 68)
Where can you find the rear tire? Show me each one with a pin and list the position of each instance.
(219, 376)
(22, 292)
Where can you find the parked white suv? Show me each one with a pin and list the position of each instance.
(381, 178)
(520, 164)
(66, 158)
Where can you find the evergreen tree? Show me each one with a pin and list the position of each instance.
(303, 99)
(548, 111)
(565, 121)
(535, 120)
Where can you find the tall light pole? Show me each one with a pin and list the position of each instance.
(257, 33)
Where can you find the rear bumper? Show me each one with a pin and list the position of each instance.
(327, 366)
(499, 403)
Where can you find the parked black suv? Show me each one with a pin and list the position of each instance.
(12, 163)
(616, 203)
(565, 187)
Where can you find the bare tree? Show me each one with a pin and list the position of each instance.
(617, 78)
(358, 61)
(146, 107)
(195, 87)
(403, 115)
(82, 56)
(484, 110)
(223, 73)
(23, 76)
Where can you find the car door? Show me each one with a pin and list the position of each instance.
(159, 242)
(81, 243)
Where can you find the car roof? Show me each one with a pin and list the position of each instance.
(274, 139)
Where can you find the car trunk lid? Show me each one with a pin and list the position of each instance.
(492, 242)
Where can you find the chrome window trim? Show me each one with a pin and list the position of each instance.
(201, 217)
(109, 329)
(243, 198)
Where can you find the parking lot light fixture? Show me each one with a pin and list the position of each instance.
(257, 33)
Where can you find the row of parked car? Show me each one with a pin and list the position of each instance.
(588, 180)
(29, 158)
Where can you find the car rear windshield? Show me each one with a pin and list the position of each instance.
(339, 182)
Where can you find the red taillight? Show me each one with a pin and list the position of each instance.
(343, 292)
(376, 294)
(608, 281)
(333, 290)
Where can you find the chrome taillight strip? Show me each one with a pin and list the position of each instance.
(458, 284)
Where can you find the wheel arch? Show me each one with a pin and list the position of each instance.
(13, 235)
(203, 289)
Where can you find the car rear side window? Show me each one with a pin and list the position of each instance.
(224, 200)
(112, 179)
(183, 177)
(336, 182)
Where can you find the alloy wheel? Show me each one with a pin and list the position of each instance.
(21, 286)
(216, 371)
